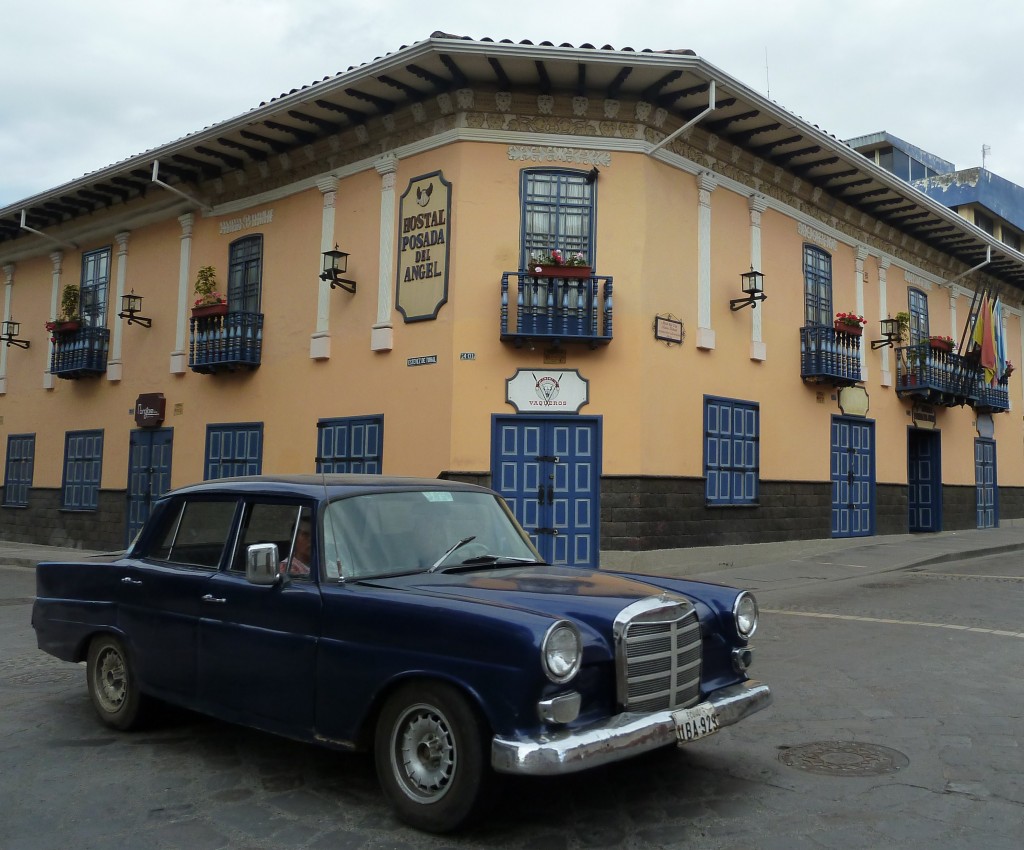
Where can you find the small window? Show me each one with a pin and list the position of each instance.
(196, 534)
(352, 444)
(233, 450)
(817, 287)
(731, 451)
(21, 452)
(985, 222)
(1010, 238)
(83, 465)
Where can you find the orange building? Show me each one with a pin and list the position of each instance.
(385, 299)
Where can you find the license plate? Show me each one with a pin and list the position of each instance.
(694, 723)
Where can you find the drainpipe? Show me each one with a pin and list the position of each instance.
(169, 188)
(671, 137)
(62, 243)
(972, 315)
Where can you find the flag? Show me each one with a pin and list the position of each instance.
(984, 340)
(997, 324)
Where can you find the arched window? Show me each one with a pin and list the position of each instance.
(245, 274)
(817, 286)
(558, 207)
(918, 304)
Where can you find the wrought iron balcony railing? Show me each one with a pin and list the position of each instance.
(993, 398)
(556, 309)
(80, 353)
(937, 376)
(225, 343)
(829, 356)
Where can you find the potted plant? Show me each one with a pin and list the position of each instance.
(942, 343)
(209, 301)
(903, 323)
(557, 264)
(68, 320)
(850, 323)
(1006, 373)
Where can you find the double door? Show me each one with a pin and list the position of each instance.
(149, 474)
(549, 470)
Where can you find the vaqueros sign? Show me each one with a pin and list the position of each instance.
(547, 391)
(149, 410)
(424, 236)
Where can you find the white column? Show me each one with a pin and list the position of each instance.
(57, 258)
(859, 279)
(114, 363)
(179, 357)
(954, 332)
(382, 336)
(883, 311)
(758, 204)
(706, 184)
(320, 341)
(8, 285)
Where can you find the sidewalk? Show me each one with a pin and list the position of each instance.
(733, 564)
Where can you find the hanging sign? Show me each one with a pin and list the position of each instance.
(149, 410)
(547, 391)
(424, 225)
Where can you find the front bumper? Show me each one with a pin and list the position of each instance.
(622, 736)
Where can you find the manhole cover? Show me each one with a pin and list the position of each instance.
(844, 758)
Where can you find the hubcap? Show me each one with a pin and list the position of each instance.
(111, 680)
(423, 753)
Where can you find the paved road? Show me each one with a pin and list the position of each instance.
(917, 671)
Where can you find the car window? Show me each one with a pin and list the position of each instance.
(287, 525)
(196, 534)
(382, 533)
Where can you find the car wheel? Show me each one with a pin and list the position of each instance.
(112, 687)
(432, 757)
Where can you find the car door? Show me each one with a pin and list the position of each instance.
(161, 592)
(257, 644)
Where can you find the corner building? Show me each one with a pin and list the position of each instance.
(644, 397)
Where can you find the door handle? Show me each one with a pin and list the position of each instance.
(551, 494)
(128, 580)
(540, 495)
(209, 597)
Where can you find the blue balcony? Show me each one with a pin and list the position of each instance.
(829, 356)
(80, 353)
(993, 398)
(225, 343)
(556, 309)
(937, 377)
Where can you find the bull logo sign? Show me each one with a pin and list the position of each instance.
(424, 236)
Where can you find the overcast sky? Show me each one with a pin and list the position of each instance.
(88, 84)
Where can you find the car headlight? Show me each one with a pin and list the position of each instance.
(561, 652)
(744, 612)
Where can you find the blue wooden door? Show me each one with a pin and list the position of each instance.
(149, 474)
(985, 483)
(548, 470)
(853, 477)
(924, 481)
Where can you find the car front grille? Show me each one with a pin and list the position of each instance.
(658, 649)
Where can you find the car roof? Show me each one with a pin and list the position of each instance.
(319, 486)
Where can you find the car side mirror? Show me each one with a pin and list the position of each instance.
(262, 563)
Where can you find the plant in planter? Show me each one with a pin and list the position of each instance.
(209, 301)
(557, 263)
(942, 343)
(850, 323)
(68, 319)
(1006, 373)
(903, 323)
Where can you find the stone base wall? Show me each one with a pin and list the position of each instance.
(638, 514)
(44, 522)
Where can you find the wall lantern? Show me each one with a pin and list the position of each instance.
(890, 334)
(752, 284)
(131, 304)
(335, 266)
(9, 334)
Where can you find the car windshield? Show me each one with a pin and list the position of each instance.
(386, 533)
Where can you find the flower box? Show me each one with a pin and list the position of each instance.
(562, 271)
(204, 311)
(852, 330)
(939, 344)
(64, 327)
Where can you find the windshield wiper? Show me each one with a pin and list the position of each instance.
(454, 548)
(500, 559)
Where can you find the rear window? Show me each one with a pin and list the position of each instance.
(195, 534)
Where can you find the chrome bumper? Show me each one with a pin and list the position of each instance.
(617, 738)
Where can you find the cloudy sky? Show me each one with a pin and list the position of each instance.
(89, 84)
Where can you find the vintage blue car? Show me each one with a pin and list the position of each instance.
(412, 617)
